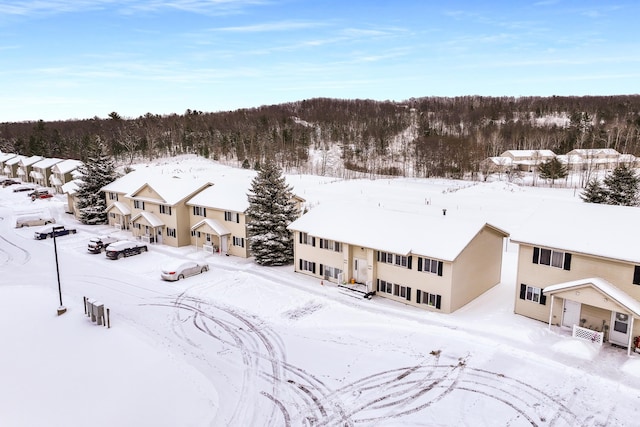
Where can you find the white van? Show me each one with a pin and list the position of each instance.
(31, 220)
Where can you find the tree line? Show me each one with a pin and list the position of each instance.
(421, 137)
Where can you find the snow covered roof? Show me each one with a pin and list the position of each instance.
(228, 194)
(432, 234)
(6, 156)
(126, 183)
(71, 187)
(14, 160)
(528, 153)
(588, 228)
(171, 189)
(122, 207)
(36, 175)
(215, 225)
(587, 152)
(153, 220)
(604, 286)
(28, 161)
(46, 163)
(66, 166)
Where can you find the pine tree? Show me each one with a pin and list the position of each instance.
(622, 187)
(98, 170)
(594, 192)
(552, 169)
(271, 210)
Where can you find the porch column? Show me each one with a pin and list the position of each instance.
(551, 311)
(630, 336)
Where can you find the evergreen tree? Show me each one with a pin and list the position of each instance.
(622, 187)
(552, 169)
(271, 210)
(594, 192)
(97, 171)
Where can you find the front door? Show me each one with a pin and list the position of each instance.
(571, 313)
(223, 244)
(619, 332)
(360, 270)
(159, 239)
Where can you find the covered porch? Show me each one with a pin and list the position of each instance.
(119, 215)
(211, 235)
(147, 227)
(596, 310)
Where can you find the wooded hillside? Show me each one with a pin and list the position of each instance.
(420, 137)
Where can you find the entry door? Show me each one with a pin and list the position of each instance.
(360, 270)
(223, 244)
(159, 239)
(619, 332)
(571, 313)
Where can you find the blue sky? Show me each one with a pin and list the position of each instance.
(84, 58)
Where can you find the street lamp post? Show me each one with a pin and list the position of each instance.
(61, 309)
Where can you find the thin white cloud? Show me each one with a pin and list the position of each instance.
(271, 26)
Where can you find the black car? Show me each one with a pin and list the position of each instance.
(7, 182)
(60, 230)
(24, 188)
(124, 248)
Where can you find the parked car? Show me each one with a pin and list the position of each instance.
(24, 188)
(182, 269)
(60, 230)
(31, 220)
(9, 181)
(124, 248)
(40, 193)
(99, 243)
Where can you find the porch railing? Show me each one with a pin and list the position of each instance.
(208, 248)
(588, 334)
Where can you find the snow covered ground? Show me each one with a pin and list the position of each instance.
(244, 345)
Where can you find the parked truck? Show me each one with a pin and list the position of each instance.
(99, 243)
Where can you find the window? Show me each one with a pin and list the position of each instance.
(199, 211)
(238, 241)
(138, 204)
(232, 216)
(307, 266)
(428, 265)
(330, 272)
(165, 209)
(384, 286)
(636, 275)
(113, 196)
(552, 258)
(331, 245)
(533, 294)
(394, 289)
(305, 239)
(385, 257)
(426, 298)
(112, 215)
(401, 260)
(171, 232)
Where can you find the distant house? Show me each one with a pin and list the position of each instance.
(71, 190)
(41, 171)
(25, 166)
(580, 272)
(63, 172)
(435, 262)
(528, 160)
(599, 158)
(11, 166)
(3, 158)
(496, 165)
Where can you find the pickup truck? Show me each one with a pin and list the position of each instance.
(99, 243)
